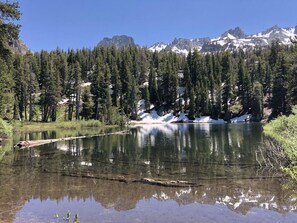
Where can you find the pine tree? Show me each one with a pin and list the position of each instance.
(279, 100)
(97, 78)
(192, 103)
(292, 85)
(9, 12)
(6, 91)
(257, 101)
(77, 87)
(146, 98)
(227, 80)
(244, 86)
(50, 87)
(152, 85)
(21, 87)
(87, 105)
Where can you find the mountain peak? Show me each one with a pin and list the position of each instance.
(119, 41)
(237, 33)
(273, 28)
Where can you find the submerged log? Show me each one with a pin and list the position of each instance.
(150, 181)
(34, 143)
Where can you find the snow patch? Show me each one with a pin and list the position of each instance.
(207, 119)
(86, 84)
(154, 118)
(243, 118)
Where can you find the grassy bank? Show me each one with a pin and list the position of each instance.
(41, 126)
(5, 129)
(284, 131)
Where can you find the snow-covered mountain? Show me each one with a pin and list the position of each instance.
(232, 39)
(229, 40)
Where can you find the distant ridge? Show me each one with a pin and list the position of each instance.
(117, 41)
(232, 39)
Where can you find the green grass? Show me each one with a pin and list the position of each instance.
(284, 131)
(79, 124)
(41, 126)
(5, 129)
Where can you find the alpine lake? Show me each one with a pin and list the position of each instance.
(190, 173)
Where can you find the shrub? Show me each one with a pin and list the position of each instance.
(284, 131)
(5, 129)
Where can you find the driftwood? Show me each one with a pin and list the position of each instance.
(34, 143)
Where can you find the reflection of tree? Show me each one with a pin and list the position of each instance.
(195, 152)
(22, 182)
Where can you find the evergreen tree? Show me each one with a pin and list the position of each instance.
(96, 90)
(292, 85)
(279, 100)
(6, 91)
(50, 87)
(152, 85)
(77, 87)
(192, 103)
(9, 12)
(87, 105)
(146, 98)
(227, 79)
(21, 87)
(257, 101)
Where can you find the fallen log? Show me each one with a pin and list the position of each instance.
(150, 181)
(34, 143)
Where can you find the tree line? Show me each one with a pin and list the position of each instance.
(107, 83)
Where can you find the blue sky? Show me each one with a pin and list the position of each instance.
(48, 24)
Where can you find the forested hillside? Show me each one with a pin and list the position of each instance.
(102, 82)
(106, 83)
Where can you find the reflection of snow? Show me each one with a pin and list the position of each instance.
(153, 130)
(161, 196)
(183, 191)
(74, 148)
(83, 163)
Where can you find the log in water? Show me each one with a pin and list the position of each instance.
(34, 143)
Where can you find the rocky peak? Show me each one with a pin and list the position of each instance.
(117, 41)
(18, 46)
(237, 33)
(274, 28)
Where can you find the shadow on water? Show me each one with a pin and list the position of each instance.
(221, 158)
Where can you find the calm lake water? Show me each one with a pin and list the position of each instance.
(224, 162)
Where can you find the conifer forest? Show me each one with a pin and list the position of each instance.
(106, 83)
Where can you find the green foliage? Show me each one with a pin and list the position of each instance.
(221, 84)
(5, 129)
(5, 147)
(79, 124)
(6, 91)
(284, 130)
(9, 12)
(87, 106)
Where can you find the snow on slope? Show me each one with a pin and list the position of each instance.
(230, 40)
(154, 118)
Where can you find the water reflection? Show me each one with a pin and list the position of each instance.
(169, 151)
(220, 157)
